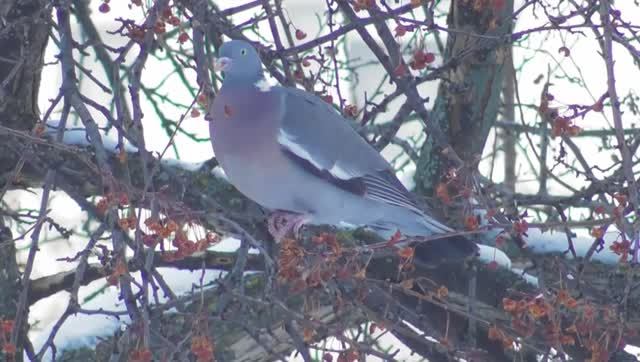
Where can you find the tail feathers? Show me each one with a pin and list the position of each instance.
(454, 249)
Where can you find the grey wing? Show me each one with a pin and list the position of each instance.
(319, 139)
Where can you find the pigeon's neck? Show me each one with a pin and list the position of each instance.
(243, 80)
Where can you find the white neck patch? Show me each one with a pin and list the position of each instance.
(263, 85)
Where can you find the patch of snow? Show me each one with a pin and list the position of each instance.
(219, 173)
(526, 276)
(85, 330)
(488, 254)
(78, 136)
(187, 166)
(556, 242)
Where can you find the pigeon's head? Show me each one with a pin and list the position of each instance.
(239, 59)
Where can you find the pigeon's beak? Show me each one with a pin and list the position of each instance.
(222, 64)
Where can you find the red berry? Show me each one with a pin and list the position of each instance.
(400, 70)
(421, 59)
(174, 20)
(159, 28)
(564, 51)
(417, 65)
(300, 34)
(104, 8)
(183, 37)
(498, 4)
(429, 58)
(574, 130)
(400, 30)
(597, 106)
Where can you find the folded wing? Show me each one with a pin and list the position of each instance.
(319, 139)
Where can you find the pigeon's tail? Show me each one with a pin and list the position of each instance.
(451, 249)
(435, 250)
(446, 250)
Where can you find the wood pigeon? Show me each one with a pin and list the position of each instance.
(292, 152)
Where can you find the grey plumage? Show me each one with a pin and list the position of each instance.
(289, 150)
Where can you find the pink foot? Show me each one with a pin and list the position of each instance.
(281, 223)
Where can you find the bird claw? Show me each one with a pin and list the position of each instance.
(280, 224)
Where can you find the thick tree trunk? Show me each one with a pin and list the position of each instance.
(24, 30)
(9, 275)
(467, 105)
(23, 39)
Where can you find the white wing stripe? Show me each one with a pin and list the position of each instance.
(340, 172)
(288, 141)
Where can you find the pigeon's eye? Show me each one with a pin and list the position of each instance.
(243, 51)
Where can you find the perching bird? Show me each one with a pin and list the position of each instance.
(290, 151)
